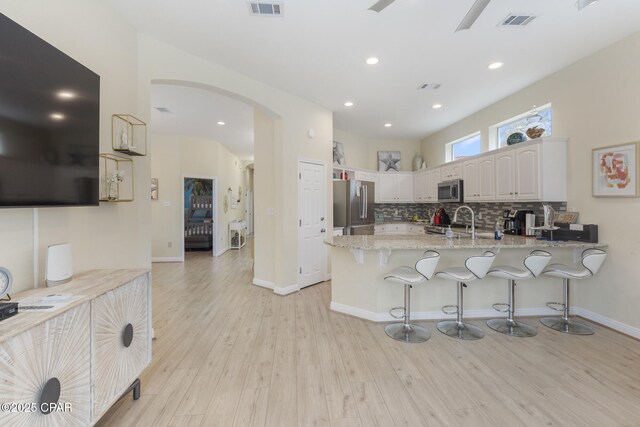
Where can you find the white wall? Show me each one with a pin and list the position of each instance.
(363, 152)
(113, 235)
(292, 116)
(175, 156)
(595, 103)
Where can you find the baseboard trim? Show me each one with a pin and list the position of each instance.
(286, 290)
(167, 259)
(434, 315)
(263, 283)
(609, 323)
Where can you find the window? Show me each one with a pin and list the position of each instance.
(463, 147)
(540, 117)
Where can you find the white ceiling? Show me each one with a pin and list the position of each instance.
(318, 48)
(196, 112)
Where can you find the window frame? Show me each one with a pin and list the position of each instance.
(449, 146)
(494, 131)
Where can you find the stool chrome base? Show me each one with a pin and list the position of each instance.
(568, 326)
(407, 333)
(512, 328)
(461, 330)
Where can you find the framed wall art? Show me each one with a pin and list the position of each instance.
(615, 170)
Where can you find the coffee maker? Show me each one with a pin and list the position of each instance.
(518, 222)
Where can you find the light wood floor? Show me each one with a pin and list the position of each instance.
(229, 354)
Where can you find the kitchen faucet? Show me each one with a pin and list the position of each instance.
(473, 220)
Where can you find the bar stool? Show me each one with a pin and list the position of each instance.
(534, 264)
(425, 267)
(592, 259)
(476, 267)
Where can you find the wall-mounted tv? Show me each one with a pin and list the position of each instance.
(49, 124)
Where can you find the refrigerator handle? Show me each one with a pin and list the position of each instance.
(363, 201)
(366, 201)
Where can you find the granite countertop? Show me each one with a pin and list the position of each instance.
(434, 241)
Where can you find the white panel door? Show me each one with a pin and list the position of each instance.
(312, 201)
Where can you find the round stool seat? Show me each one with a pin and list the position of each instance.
(508, 272)
(567, 272)
(405, 275)
(457, 274)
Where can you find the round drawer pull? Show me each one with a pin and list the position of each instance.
(49, 396)
(127, 335)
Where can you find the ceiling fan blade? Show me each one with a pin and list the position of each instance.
(472, 15)
(381, 4)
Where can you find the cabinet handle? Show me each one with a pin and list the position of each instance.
(516, 192)
(510, 193)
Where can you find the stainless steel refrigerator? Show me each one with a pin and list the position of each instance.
(353, 206)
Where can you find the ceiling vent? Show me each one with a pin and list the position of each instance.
(163, 109)
(516, 20)
(429, 86)
(266, 9)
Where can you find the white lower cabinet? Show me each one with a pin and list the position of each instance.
(398, 229)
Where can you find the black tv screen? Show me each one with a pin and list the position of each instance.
(49, 124)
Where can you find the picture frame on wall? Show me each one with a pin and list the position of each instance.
(389, 161)
(615, 170)
(338, 154)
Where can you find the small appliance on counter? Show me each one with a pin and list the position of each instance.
(577, 232)
(519, 222)
(440, 217)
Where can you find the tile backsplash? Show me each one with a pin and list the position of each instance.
(491, 212)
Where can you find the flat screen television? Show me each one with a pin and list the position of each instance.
(49, 124)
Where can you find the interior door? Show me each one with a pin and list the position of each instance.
(312, 201)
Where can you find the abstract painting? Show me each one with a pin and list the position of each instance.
(615, 171)
(389, 161)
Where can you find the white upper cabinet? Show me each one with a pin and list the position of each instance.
(420, 186)
(535, 171)
(451, 171)
(433, 178)
(395, 187)
(477, 175)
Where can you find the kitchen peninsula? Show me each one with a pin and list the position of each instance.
(359, 264)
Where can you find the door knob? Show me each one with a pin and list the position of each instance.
(322, 230)
(321, 218)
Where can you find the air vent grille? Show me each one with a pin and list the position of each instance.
(266, 9)
(516, 20)
(429, 86)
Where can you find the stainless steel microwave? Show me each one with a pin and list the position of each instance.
(451, 191)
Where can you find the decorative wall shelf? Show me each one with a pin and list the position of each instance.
(116, 178)
(128, 135)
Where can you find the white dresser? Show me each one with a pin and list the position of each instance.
(84, 355)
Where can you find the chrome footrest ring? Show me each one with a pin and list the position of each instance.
(447, 309)
(501, 304)
(557, 306)
(395, 316)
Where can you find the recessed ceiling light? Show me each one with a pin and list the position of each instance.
(348, 104)
(56, 116)
(436, 106)
(65, 94)
(372, 61)
(387, 125)
(495, 65)
(221, 123)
